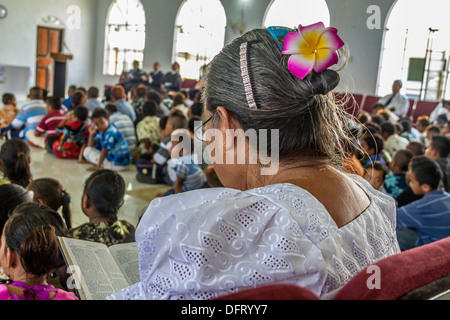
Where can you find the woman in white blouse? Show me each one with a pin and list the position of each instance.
(306, 222)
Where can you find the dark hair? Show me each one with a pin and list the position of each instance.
(141, 91)
(111, 108)
(406, 123)
(197, 109)
(15, 155)
(434, 129)
(377, 166)
(7, 97)
(191, 123)
(402, 159)
(150, 108)
(178, 119)
(378, 119)
(388, 127)
(178, 99)
(11, 195)
(81, 113)
(77, 98)
(309, 118)
(374, 142)
(423, 121)
(93, 92)
(106, 190)
(36, 93)
(426, 171)
(53, 195)
(163, 122)
(31, 231)
(154, 95)
(99, 113)
(55, 103)
(442, 145)
(377, 106)
(417, 148)
(371, 128)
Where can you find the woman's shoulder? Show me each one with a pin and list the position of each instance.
(64, 295)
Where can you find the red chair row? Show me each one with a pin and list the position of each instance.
(358, 102)
(422, 273)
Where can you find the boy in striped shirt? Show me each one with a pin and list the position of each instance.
(428, 219)
(45, 134)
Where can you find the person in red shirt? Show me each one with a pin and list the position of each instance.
(45, 134)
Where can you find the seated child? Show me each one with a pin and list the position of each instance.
(373, 146)
(24, 257)
(74, 132)
(148, 129)
(123, 123)
(9, 111)
(182, 168)
(375, 174)
(50, 193)
(103, 196)
(428, 219)
(396, 180)
(106, 147)
(15, 163)
(439, 151)
(176, 120)
(46, 134)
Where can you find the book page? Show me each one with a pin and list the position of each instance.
(127, 258)
(99, 274)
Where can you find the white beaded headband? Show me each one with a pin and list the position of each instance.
(246, 78)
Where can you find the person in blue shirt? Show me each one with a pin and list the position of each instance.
(428, 219)
(107, 147)
(396, 180)
(118, 96)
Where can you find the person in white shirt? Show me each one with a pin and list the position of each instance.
(392, 141)
(396, 102)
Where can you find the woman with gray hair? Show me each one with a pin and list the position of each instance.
(303, 221)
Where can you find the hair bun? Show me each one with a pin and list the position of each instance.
(323, 82)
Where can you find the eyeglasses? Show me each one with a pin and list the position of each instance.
(200, 131)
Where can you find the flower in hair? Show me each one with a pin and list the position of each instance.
(312, 47)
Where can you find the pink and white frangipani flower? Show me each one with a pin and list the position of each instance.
(312, 47)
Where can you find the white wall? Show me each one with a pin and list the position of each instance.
(18, 35)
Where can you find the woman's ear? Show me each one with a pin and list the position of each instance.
(227, 120)
(1, 165)
(11, 258)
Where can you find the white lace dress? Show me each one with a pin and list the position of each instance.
(208, 243)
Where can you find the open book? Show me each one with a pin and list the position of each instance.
(98, 271)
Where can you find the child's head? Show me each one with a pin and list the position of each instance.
(417, 148)
(117, 93)
(432, 131)
(29, 242)
(150, 108)
(162, 127)
(400, 161)
(103, 195)
(439, 147)
(111, 108)
(9, 99)
(141, 91)
(422, 123)
(71, 90)
(78, 98)
(177, 120)
(372, 144)
(153, 95)
(11, 195)
(49, 192)
(81, 113)
(36, 93)
(375, 174)
(387, 130)
(15, 162)
(182, 143)
(53, 103)
(101, 119)
(424, 175)
(93, 93)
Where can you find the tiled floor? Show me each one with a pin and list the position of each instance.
(72, 176)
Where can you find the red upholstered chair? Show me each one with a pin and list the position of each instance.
(424, 108)
(188, 84)
(273, 292)
(421, 273)
(369, 102)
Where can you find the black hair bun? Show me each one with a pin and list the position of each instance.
(323, 82)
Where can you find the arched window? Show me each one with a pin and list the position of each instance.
(416, 50)
(124, 37)
(199, 35)
(291, 13)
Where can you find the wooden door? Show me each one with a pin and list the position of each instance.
(48, 41)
